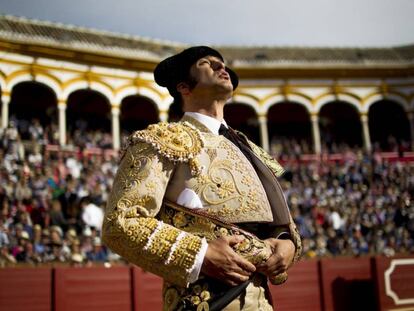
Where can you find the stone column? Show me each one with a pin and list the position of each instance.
(410, 116)
(62, 122)
(163, 115)
(365, 132)
(316, 134)
(116, 136)
(5, 100)
(264, 134)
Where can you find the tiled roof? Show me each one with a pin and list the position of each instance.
(256, 55)
(27, 31)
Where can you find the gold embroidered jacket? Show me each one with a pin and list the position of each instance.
(158, 164)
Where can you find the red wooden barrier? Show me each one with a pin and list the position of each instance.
(329, 284)
(92, 289)
(147, 290)
(395, 283)
(347, 284)
(25, 289)
(301, 291)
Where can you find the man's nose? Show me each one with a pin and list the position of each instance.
(218, 66)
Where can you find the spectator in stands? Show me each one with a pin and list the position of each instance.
(6, 259)
(98, 252)
(92, 215)
(4, 238)
(56, 215)
(36, 130)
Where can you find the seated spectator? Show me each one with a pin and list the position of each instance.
(92, 215)
(98, 252)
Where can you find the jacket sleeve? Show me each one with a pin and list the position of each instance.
(131, 228)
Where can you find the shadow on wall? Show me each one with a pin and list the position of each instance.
(354, 295)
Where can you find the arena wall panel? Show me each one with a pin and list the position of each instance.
(93, 289)
(347, 284)
(301, 291)
(147, 290)
(26, 289)
(395, 283)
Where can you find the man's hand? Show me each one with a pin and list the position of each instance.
(283, 252)
(223, 263)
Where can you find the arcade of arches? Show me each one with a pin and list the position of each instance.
(78, 101)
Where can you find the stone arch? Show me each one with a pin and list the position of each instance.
(50, 81)
(102, 88)
(82, 84)
(389, 125)
(143, 91)
(88, 118)
(25, 75)
(289, 127)
(376, 97)
(33, 105)
(17, 77)
(247, 99)
(3, 84)
(298, 98)
(73, 86)
(340, 125)
(340, 97)
(243, 117)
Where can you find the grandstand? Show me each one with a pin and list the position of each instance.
(340, 120)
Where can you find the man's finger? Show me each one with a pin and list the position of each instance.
(272, 261)
(244, 264)
(234, 239)
(242, 271)
(270, 266)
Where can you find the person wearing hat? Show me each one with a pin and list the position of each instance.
(197, 203)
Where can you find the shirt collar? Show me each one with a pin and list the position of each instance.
(212, 124)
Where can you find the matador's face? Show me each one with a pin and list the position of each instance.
(211, 76)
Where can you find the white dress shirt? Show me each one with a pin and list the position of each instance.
(212, 124)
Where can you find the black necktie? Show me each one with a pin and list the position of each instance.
(223, 130)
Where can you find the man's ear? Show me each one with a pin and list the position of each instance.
(183, 88)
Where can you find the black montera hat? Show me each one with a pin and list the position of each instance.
(174, 69)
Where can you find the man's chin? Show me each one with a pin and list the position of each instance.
(229, 96)
(227, 86)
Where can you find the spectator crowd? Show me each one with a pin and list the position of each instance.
(52, 203)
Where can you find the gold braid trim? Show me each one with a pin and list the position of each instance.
(155, 247)
(295, 236)
(185, 254)
(162, 242)
(178, 142)
(267, 159)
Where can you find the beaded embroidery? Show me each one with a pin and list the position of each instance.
(178, 142)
